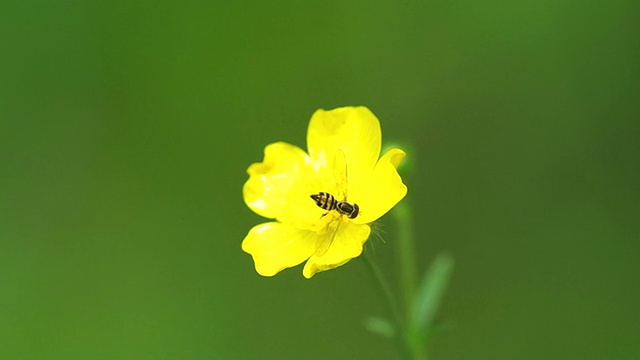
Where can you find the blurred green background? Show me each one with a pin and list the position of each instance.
(126, 128)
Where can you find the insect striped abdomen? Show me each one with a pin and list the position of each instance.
(325, 201)
(328, 202)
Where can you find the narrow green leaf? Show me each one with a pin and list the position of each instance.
(431, 290)
(380, 326)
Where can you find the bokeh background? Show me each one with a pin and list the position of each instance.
(126, 128)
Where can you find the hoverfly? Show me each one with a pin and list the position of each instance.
(327, 201)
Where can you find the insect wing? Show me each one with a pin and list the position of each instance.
(340, 175)
(327, 238)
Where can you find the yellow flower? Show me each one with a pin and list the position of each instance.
(342, 160)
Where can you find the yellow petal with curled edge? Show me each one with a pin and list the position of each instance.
(275, 247)
(354, 130)
(381, 190)
(347, 244)
(270, 181)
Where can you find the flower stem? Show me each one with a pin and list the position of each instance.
(405, 332)
(383, 284)
(403, 214)
(408, 334)
(406, 254)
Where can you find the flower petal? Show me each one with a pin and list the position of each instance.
(271, 180)
(346, 245)
(275, 247)
(382, 189)
(354, 130)
(280, 187)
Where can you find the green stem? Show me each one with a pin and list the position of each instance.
(381, 281)
(406, 254)
(408, 331)
(390, 300)
(408, 277)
